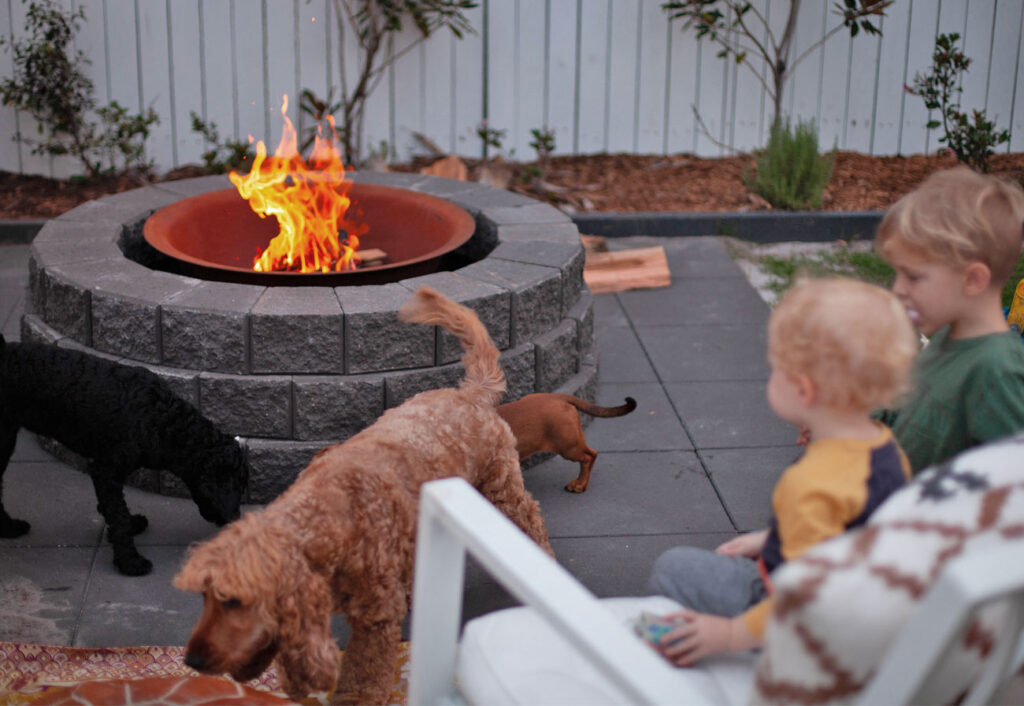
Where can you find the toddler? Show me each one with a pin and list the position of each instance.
(838, 349)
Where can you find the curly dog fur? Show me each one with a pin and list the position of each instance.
(340, 539)
(120, 418)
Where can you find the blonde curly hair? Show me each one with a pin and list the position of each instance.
(852, 339)
(958, 216)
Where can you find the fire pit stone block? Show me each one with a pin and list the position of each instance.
(275, 465)
(492, 304)
(568, 259)
(333, 407)
(250, 405)
(536, 293)
(534, 213)
(297, 329)
(118, 209)
(483, 197)
(557, 355)
(560, 233)
(520, 366)
(583, 314)
(196, 186)
(374, 338)
(66, 306)
(207, 327)
(400, 386)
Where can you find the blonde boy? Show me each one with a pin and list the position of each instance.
(953, 242)
(838, 349)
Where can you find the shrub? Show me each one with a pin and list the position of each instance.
(49, 84)
(971, 139)
(790, 172)
(231, 154)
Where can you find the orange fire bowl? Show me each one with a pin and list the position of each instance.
(216, 236)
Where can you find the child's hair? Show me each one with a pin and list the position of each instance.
(852, 339)
(958, 216)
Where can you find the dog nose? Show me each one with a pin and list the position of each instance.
(195, 661)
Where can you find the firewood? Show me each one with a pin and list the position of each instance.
(619, 270)
(372, 256)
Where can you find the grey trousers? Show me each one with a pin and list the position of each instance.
(707, 582)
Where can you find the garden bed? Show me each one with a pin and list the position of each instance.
(601, 183)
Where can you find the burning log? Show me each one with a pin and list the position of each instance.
(372, 256)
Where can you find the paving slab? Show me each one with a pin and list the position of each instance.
(745, 478)
(120, 611)
(729, 414)
(654, 492)
(652, 426)
(696, 300)
(41, 593)
(621, 355)
(710, 352)
(58, 501)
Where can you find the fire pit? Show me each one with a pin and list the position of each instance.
(215, 236)
(291, 369)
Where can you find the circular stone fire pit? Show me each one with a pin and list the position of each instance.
(216, 235)
(292, 369)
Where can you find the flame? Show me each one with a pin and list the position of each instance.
(309, 201)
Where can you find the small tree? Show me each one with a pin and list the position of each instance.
(971, 139)
(49, 84)
(744, 33)
(374, 23)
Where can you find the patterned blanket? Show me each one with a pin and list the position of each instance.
(36, 674)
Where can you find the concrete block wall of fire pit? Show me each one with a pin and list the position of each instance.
(292, 369)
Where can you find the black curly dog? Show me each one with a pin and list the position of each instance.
(120, 418)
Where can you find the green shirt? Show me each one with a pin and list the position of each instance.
(965, 392)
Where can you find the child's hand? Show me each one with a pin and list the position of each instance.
(748, 545)
(699, 636)
(804, 438)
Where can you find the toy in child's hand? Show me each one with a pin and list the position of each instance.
(653, 627)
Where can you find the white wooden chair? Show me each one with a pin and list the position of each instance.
(455, 519)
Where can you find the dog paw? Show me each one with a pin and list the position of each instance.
(138, 524)
(576, 487)
(11, 528)
(137, 565)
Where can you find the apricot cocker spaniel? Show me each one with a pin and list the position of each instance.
(340, 539)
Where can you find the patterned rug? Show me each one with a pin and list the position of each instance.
(45, 674)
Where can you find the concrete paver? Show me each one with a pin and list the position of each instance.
(693, 464)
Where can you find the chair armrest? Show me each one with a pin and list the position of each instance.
(455, 519)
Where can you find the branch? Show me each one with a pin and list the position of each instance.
(712, 138)
(815, 46)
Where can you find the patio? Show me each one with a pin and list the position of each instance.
(694, 464)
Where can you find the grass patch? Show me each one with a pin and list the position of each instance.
(842, 260)
(866, 266)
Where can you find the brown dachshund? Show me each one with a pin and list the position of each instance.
(341, 538)
(548, 421)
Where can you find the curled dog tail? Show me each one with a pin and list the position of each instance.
(481, 355)
(597, 411)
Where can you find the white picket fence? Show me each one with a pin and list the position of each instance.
(605, 75)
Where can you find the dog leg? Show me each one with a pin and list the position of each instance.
(121, 523)
(586, 458)
(368, 665)
(9, 527)
(504, 488)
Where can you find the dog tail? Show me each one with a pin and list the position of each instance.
(481, 355)
(597, 411)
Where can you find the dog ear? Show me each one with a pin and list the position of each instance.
(307, 656)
